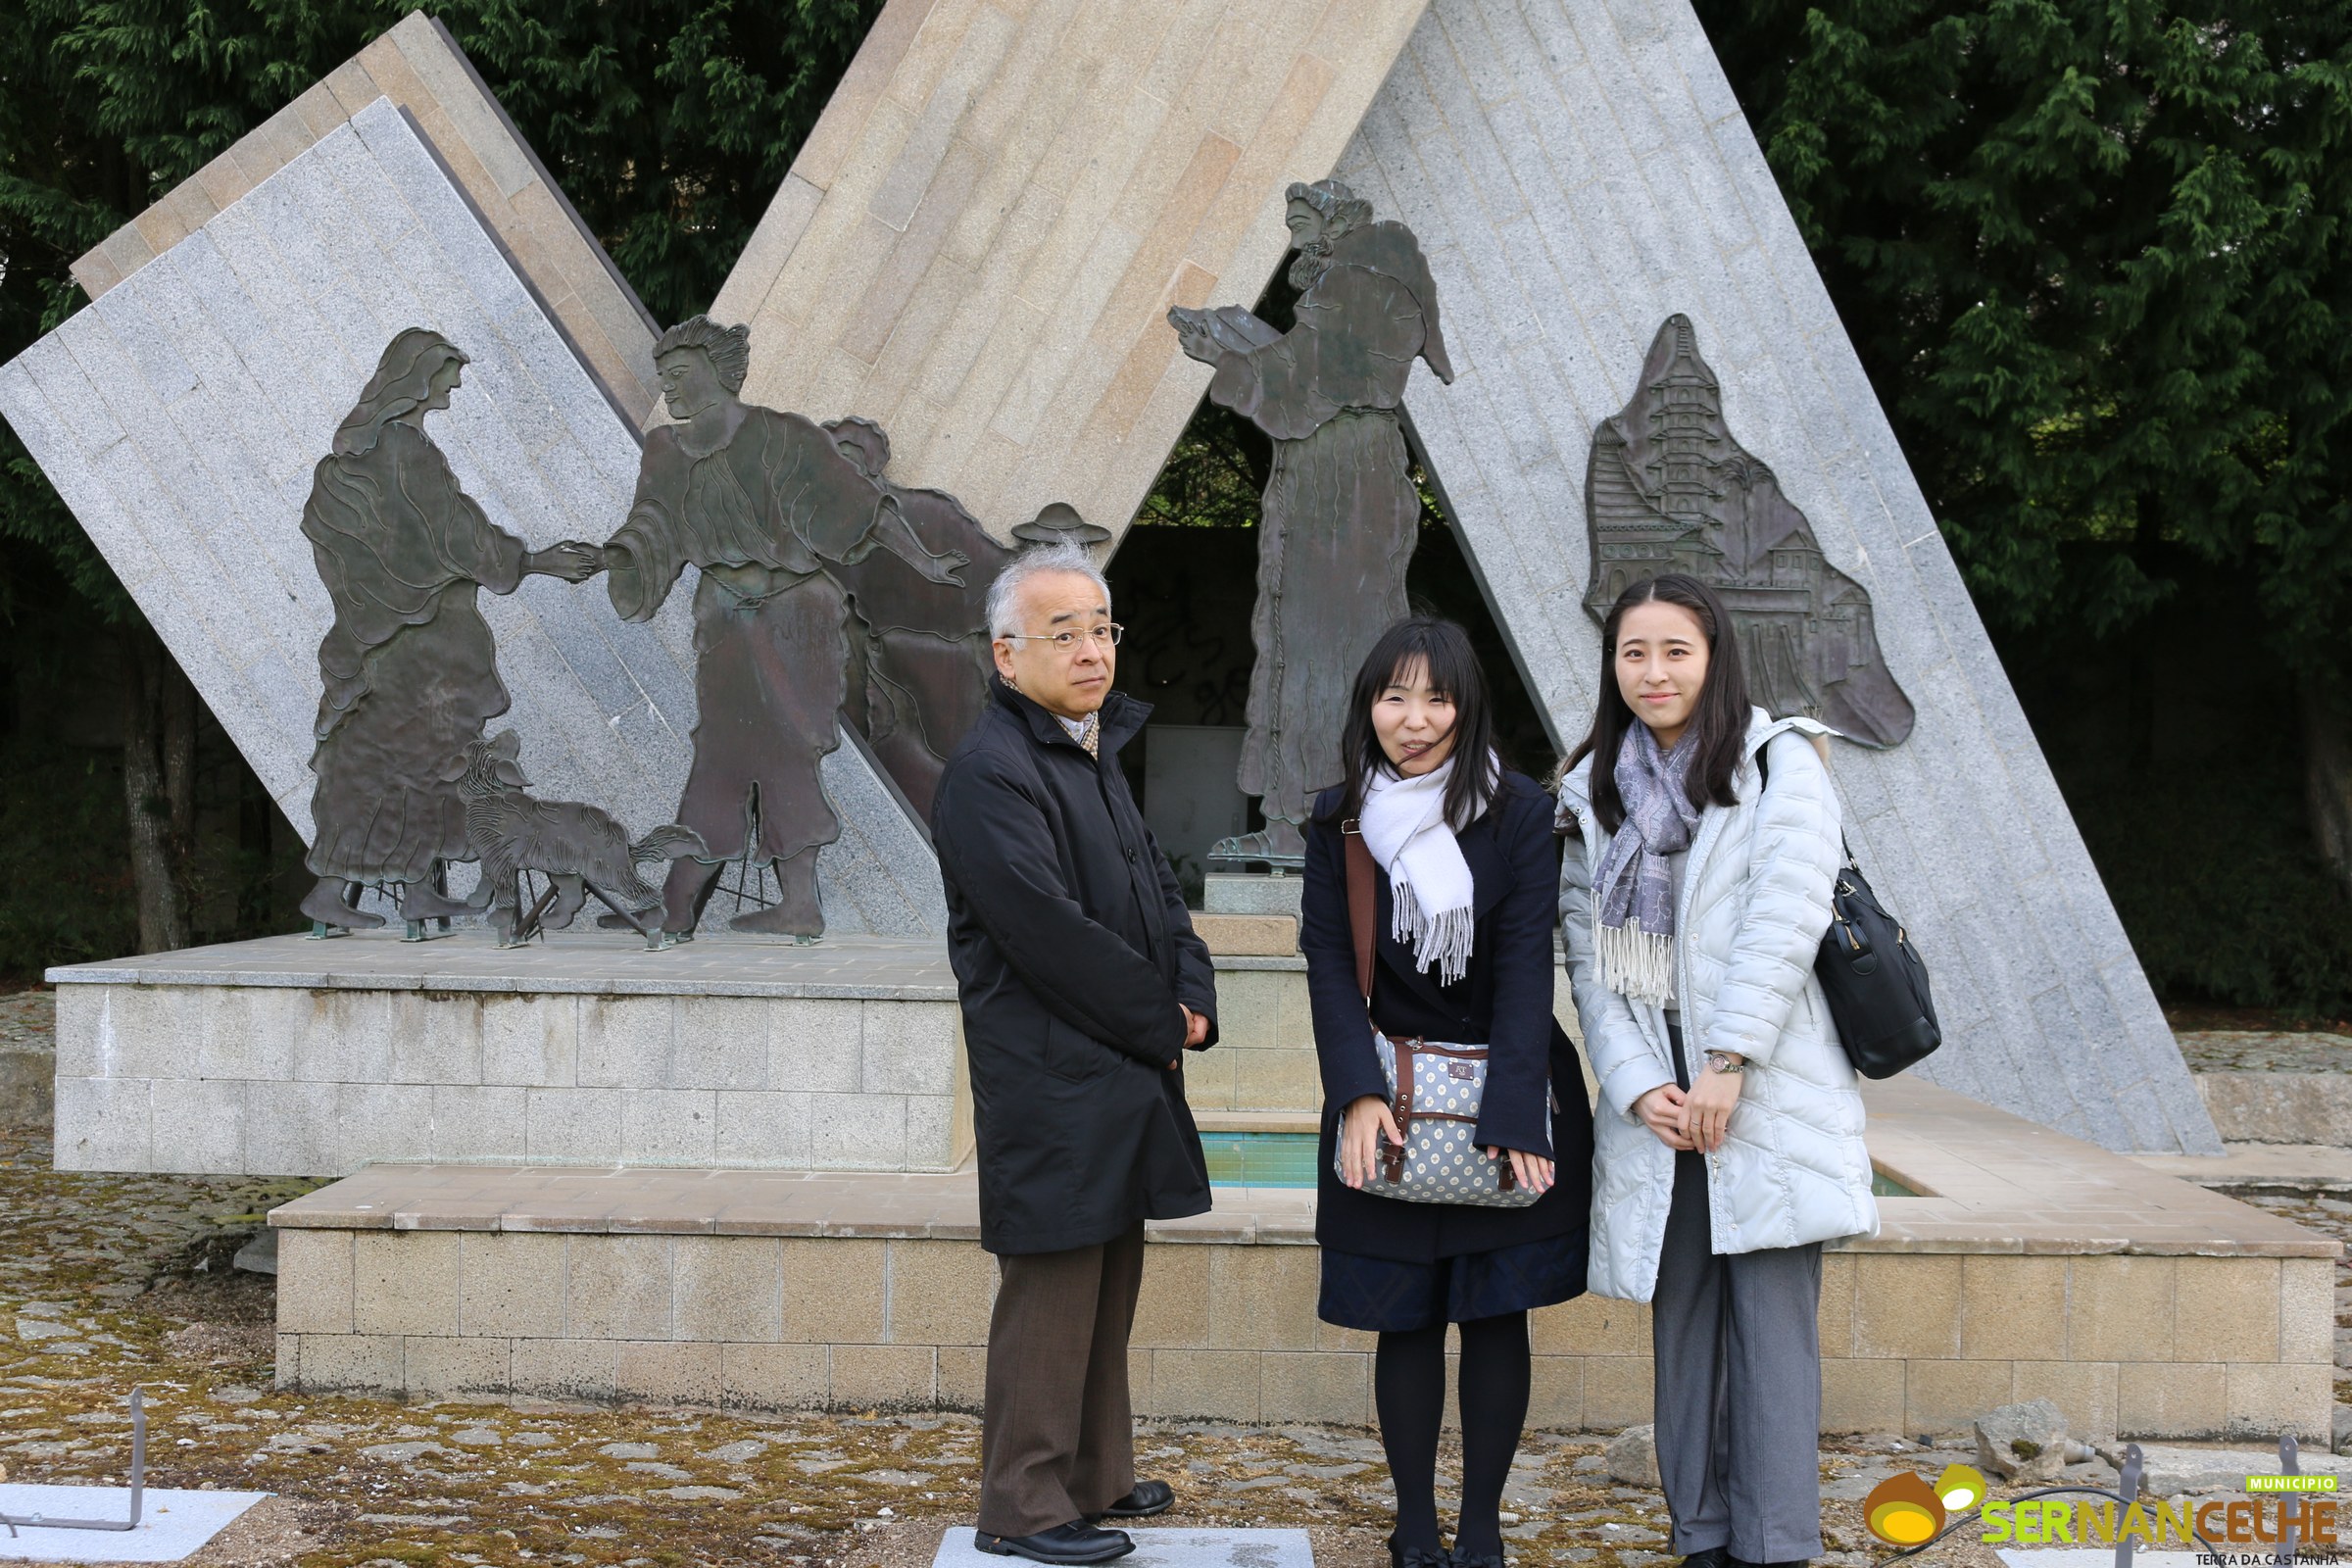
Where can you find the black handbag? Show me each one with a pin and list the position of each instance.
(1874, 978)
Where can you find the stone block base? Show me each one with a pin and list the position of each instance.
(2147, 1308)
(1226, 1332)
(2279, 1108)
(289, 1056)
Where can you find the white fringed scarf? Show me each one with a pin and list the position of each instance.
(1405, 827)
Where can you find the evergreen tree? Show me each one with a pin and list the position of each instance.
(2097, 258)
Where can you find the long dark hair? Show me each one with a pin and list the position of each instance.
(1453, 671)
(402, 379)
(1718, 722)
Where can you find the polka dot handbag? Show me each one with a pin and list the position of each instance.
(1434, 1091)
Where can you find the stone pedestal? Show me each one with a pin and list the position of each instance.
(1251, 893)
(289, 1057)
(2029, 1265)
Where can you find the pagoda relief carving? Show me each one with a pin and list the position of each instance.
(1668, 489)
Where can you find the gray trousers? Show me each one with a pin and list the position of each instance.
(1738, 1387)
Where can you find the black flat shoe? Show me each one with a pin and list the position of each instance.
(1417, 1556)
(1489, 1559)
(1148, 1498)
(1074, 1543)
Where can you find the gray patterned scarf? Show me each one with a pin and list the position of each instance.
(1633, 891)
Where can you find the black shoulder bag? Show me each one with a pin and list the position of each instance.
(1874, 980)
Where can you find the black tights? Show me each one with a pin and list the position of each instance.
(1409, 1387)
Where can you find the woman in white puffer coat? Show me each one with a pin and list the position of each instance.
(1694, 892)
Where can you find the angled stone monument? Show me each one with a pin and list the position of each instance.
(180, 416)
(1009, 205)
(1580, 176)
(1577, 175)
(981, 238)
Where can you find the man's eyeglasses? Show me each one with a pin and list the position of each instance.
(1065, 641)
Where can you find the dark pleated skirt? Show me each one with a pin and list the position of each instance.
(1385, 1296)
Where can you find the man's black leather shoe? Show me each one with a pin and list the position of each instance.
(1146, 1500)
(1074, 1543)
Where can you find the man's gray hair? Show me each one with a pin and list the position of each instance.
(1004, 593)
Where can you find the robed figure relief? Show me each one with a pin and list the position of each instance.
(408, 668)
(919, 657)
(1668, 489)
(920, 664)
(1340, 509)
(763, 504)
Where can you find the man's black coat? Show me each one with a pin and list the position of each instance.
(1073, 951)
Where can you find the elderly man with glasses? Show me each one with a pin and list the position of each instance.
(1083, 986)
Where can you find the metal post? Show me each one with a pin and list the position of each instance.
(2127, 1489)
(2287, 1467)
(138, 1485)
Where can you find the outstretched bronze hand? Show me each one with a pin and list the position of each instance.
(1193, 335)
(572, 560)
(945, 568)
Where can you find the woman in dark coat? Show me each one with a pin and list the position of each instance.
(1470, 963)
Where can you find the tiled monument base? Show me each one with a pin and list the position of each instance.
(2040, 1265)
(289, 1057)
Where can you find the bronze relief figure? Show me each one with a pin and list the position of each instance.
(408, 668)
(766, 504)
(1668, 489)
(1340, 510)
(919, 661)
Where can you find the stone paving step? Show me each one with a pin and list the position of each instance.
(2261, 1168)
(1164, 1547)
(2275, 1087)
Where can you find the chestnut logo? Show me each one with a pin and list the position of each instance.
(1903, 1510)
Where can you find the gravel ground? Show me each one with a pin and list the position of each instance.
(111, 1280)
(29, 1020)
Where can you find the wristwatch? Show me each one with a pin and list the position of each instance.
(1724, 1061)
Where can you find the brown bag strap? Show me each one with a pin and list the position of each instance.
(1360, 902)
(1394, 1154)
